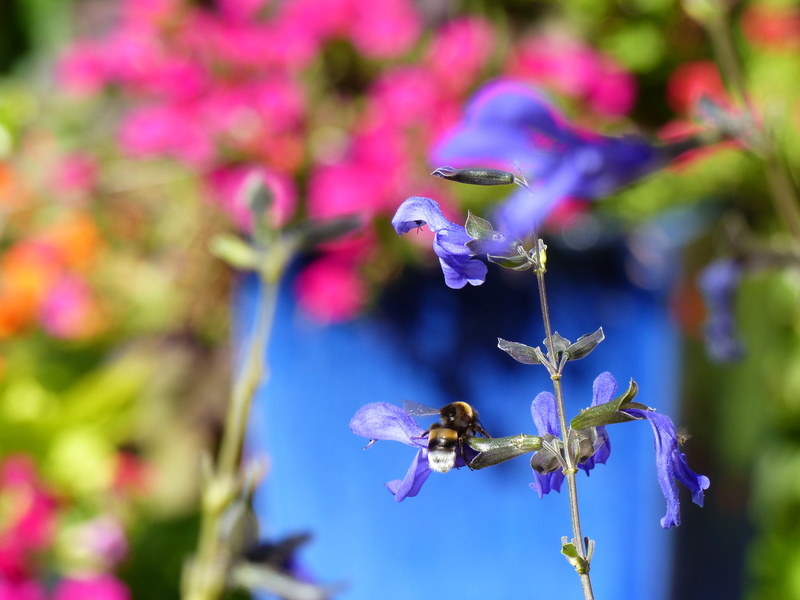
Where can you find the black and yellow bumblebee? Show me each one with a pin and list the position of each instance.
(457, 421)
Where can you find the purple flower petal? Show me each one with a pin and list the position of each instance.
(544, 484)
(383, 421)
(545, 414)
(671, 465)
(449, 241)
(417, 473)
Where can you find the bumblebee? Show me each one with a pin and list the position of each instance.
(457, 421)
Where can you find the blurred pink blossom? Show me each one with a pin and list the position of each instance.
(83, 68)
(28, 518)
(173, 130)
(69, 311)
(569, 67)
(99, 587)
(385, 29)
(77, 173)
(103, 538)
(25, 589)
(348, 187)
(459, 51)
(330, 289)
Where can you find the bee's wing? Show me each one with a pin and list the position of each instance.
(419, 410)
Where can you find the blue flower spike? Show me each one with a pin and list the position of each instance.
(591, 445)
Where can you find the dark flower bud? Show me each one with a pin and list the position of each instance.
(476, 176)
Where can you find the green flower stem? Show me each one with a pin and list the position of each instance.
(555, 376)
(207, 572)
(782, 189)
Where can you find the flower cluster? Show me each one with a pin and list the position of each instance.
(45, 279)
(28, 530)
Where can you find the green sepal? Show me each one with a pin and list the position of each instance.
(478, 228)
(570, 552)
(493, 451)
(585, 344)
(609, 413)
(476, 176)
(519, 262)
(520, 352)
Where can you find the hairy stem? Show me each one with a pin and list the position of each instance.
(207, 573)
(555, 376)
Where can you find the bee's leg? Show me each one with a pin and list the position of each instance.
(424, 433)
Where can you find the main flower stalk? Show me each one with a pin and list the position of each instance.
(571, 468)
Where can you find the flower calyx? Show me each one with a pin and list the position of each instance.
(610, 412)
(493, 451)
(496, 246)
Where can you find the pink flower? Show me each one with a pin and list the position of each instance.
(83, 68)
(348, 187)
(172, 130)
(31, 510)
(385, 29)
(76, 173)
(226, 186)
(69, 311)
(99, 587)
(330, 289)
(26, 589)
(28, 519)
(459, 51)
(240, 10)
(575, 70)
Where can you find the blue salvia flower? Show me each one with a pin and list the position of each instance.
(509, 124)
(672, 466)
(383, 421)
(448, 243)
(718, 283)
